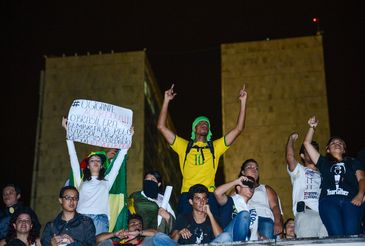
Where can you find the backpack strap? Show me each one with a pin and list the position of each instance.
(188, 148)
(211, 148)
(190, 145)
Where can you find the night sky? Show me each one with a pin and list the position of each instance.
(182, 42)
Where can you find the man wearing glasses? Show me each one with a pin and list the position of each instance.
(69, 227)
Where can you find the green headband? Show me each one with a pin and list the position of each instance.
(196, 121)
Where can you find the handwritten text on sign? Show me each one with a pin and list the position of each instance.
(99, 124)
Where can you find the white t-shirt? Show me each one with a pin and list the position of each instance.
(306, 186)
(260, 202)
(241, 205)
(94, 194)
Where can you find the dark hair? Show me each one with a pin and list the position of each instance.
(155, 174)
(15, 186)
(69, 187)
(287, 221)
(137, 217)
(302, 148)
(87, 173)
(284, 227)
(243, 166)
(158, 177)
(197, 188)
(331, 157)
(12, 233)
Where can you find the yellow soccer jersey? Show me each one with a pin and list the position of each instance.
(195, 170)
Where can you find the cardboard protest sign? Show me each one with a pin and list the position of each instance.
(100, 124)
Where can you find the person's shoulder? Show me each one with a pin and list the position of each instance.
(134, 194)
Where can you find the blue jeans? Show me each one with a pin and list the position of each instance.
(160, 239)
(236, 230)
(340, 216)
(101, 222)
(266, 227)
(184, 207)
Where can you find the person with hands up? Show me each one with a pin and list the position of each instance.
(94, 184)
(199, 156)
(306, 182)
(343, 185)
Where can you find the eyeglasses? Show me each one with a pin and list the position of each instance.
(251, 167)
(28, 222)
(70, 198)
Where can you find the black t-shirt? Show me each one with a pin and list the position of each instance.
(339, 178)
(202, 233)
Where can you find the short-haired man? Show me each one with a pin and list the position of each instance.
(200, 226)
(11, 198)
(135, 235)
(199, 157)
(69, 227)
(306, 181)
(237, 218)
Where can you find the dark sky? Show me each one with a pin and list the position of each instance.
(182, 41)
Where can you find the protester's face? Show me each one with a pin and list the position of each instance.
(199, 201)
(246, 191)
(23, 223)
(152, 178)
(94, 164)
(202, 128)
(9, 196)
(135, 225)
(69, 200)
(336, 146)
(290, 228)
(251, 169)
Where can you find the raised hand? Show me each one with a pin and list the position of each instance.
(243, 93)
(293, 136)
(313, 122)
(170, 94)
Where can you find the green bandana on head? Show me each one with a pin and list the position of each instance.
(103, 157)
(196, 121)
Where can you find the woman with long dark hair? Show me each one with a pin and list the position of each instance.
(343, 185)
(94, 185)
(21, 231)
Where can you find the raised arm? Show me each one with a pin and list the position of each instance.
(312, 152)
(220, 192)
(235, 132)
(112, 175)
(161, 123)
(290, 155)
(73, 157)
(275, 208)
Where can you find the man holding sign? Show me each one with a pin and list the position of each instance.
(97, 124)
(199, 157)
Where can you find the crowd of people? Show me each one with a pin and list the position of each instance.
(328, 195)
